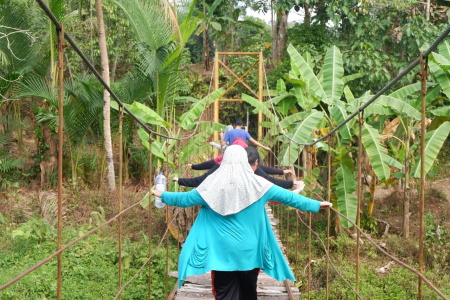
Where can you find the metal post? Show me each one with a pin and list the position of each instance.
(423, 92)
(120, 196)
(167, 239)
(308, 149)
(328, 216)
(260, 93)
(216, 102)
(360, 195)
(60, 153)
(150, 218)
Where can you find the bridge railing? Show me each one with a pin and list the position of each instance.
(171, 216)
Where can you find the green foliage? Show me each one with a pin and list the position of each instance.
(436, 241)
(433, 144)
(313, 38)
(89, 267)
(35, 230)
(395, 283)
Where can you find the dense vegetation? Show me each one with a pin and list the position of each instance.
(319, 71)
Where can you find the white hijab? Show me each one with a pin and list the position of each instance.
(233, 186)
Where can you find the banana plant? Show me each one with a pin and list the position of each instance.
(164, 150)
(326, 101)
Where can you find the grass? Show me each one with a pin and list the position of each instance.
(396, 282)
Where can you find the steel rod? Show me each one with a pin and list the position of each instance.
(60, 154)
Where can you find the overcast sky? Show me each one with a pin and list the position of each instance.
(293, 15)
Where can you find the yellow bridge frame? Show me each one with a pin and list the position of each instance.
(218, 63)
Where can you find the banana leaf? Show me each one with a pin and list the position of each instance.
(302, 134)
(333, 71)
(434, 140)
(375, 151)
(144, 113)
(444, 49)
(306, 71)
(259, 106)
(338, 115)
(443, 111)
(198, 108)
(347, 201)
(157, 146)
(442, 77)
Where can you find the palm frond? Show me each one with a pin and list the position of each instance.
(148, 19)
(8, 164)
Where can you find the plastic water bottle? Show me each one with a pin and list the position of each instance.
(160, 185)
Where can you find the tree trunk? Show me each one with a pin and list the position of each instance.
(110, 178)
(206, 49)
(206, 45)
(307, 19)
(279, 36)
(49, 162)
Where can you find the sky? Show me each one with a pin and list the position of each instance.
(293, 15)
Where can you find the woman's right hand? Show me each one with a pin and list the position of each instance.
(157, 193)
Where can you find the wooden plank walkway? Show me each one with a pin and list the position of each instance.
(200, 287)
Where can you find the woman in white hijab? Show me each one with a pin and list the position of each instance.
(232, 235)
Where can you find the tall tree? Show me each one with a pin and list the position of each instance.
(208, 19)
(281, 13)
(110, 181)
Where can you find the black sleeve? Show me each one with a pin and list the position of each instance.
(206, 165)
(270, 170)
(287, 184)
(196, 181)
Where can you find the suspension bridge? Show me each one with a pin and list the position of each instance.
(199, 287)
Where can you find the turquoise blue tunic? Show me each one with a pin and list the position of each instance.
(238, 242)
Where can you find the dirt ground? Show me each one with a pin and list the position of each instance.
(389, 206)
